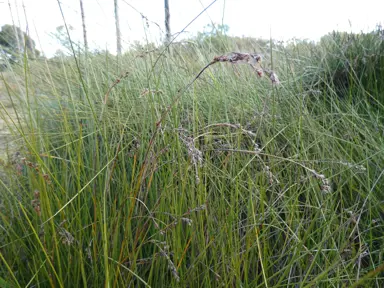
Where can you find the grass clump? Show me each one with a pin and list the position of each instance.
(351, 65)
(133, 180)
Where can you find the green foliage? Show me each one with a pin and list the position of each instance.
(61, 35)
(214, 36)
(352, 64)
(14, 41)
(242, 184)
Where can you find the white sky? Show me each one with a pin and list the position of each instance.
(283, 19)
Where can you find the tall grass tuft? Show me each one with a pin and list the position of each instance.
(239, 183)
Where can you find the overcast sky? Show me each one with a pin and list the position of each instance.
(282, 19)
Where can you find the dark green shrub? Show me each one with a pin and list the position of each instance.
(353, 64)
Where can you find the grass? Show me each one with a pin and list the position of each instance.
(240, 183)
